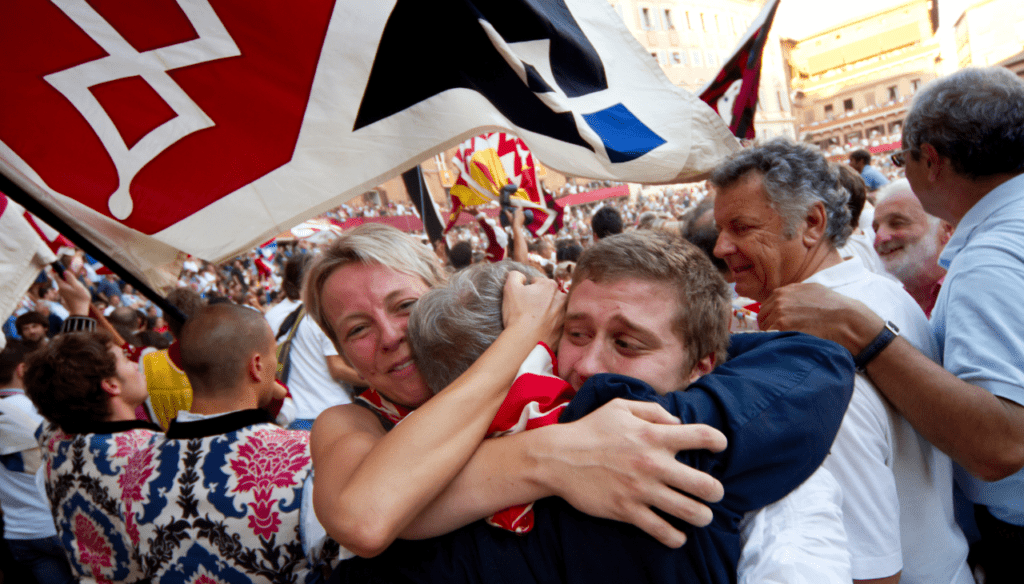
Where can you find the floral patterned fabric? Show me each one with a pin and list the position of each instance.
(215, 501)
(91, 484)
(223, 505)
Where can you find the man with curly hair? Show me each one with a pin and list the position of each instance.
(963, 153)
(781, 213)
(87, 390)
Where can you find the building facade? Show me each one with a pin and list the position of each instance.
(692, 39)
(989, 32)
(851, 84)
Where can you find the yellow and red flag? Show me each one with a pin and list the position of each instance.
(488, 162)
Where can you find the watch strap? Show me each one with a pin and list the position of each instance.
(888, 333)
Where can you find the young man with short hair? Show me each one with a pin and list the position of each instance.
(87, 389)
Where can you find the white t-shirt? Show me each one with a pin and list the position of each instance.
(25, 506)
(309, 381)
(862, 247)
(897, 487)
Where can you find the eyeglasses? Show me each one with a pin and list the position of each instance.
(898, 158)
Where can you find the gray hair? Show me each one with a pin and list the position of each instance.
(897, 186)
(974, 117)
(451, 326)
(371, 243)
(794, 177)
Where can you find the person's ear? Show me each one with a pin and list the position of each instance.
(703, 366)
(945, 232)
(934, 162)
(19, 371)
(112, 386)
(817, 222)
(256, 368)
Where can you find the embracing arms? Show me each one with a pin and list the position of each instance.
(369, 485)
(980, 431)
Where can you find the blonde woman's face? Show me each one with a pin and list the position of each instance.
(368, 306)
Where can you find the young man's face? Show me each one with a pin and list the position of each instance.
(129, 377)
(33, 332)
(623, 327)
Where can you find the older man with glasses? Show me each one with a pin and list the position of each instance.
(964, 157)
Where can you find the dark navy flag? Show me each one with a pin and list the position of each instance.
(733, 92)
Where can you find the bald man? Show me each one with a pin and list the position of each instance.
(224, 471)
(909, 242)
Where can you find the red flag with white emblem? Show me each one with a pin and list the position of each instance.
(169, 128)
(488, 162)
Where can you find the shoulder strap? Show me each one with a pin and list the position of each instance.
(290, 322)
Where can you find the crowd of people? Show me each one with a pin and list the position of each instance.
(595, 404)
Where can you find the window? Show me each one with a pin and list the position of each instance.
(697, 59)
(676, 59)
(869, 98)
(915, 85)
(848, 105)
(712, 59)
(894, 92)
(667, 17)
(684, 58)
(645, 19)
(663, 57)
(828, 110)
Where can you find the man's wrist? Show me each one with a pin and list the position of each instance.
(537, 448)
(861, 330)
(882, 340)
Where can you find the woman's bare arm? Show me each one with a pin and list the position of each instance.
(370, 485)
(614, 463)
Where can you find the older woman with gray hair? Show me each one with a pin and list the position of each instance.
(453, 325)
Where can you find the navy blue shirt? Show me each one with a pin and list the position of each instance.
(779, 401)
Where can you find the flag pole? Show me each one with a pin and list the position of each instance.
(18, 195)
(419, 194)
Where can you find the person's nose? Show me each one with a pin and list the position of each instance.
(392, 333)
(723, 246)
(882, 236)
(592, 362)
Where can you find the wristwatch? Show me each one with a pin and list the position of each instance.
(889, 332)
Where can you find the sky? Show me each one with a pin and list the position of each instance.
(798, 19)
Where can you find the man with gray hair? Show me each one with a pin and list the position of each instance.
(909, 241)
(781, 214)
(963, 148)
